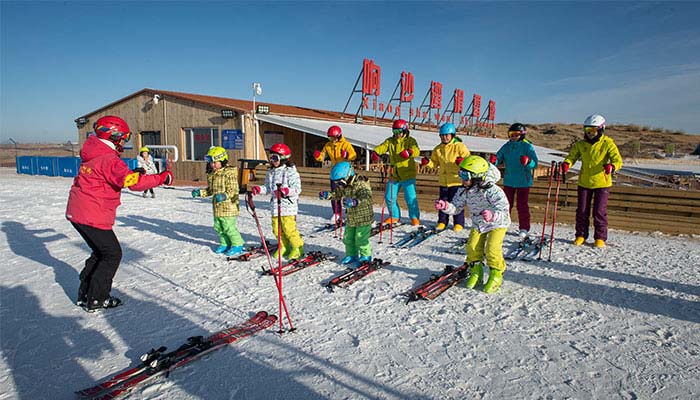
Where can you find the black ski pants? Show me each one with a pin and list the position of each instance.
(100, 268)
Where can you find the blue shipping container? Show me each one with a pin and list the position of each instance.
(47, 166)
(27, 165)
(68, 166)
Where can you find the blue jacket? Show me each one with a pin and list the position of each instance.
(516, 174)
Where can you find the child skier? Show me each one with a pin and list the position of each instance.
(519, 157)
(337, 149)
(356, 194)
(222, 185)
(283, 173)
(92, 207)
(447, 156)
(490, 215)
(146, 163)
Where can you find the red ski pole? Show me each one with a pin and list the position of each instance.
(554, 211)
(283, 305)
(546, 209)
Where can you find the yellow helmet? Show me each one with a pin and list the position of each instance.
(475, 165)
(216, 153)
(144, 148)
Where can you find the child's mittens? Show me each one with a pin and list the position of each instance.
(219, 197)
(424, 161)
(317, 154)
(350, 203)
(344, 154)
(406, 154)
(493, 159)
(324, 195)
(488, 215)
(196, 193)
(255, 190)
(524, 160)
(459, 160)
(441, 205)
(166, 178)
(282, 192)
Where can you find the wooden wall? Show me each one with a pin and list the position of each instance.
(629, 208)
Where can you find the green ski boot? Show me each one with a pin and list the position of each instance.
(494, 282)
(476, 275)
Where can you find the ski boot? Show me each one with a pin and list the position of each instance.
(440, 226)
(349, 260)
(221, 249)
(296, 253)
(457, 228)
(494, 282)
(284, 251)
(234, 251)
(599, 243)
(94, 305)
(579, 240)
(476, 275)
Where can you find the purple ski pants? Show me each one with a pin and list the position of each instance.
(521, 196)
(599, 198)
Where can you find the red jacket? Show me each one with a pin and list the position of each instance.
(96, 191)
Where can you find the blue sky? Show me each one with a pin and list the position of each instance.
(540, 61)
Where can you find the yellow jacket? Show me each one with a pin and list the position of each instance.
(593, 157)
(334, 149)
(403, 169)
(444, 156)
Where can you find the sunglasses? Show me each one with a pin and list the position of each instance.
(340, 182)
(275, 158)
(590, 129)
(464, 175)
(512, 134)
(398, 131)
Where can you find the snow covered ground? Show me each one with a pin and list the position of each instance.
(617, 323)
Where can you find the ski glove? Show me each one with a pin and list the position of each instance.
(565, 167)
(459, 160)
(524, 160)
(406, 154)
(350, 203)
(140, 170)
(282, 192)
(166, 178)
(196, 193)
(609, 169)
(317, 154)
(488, 215)
(324, 195)
(375, 157)
(344, 154)
(256, 190)
(219, 197)
(424, 161)
(441, 205)
(493, 159)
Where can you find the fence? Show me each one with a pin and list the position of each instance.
(55, 166)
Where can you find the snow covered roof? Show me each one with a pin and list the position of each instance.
(369, 136)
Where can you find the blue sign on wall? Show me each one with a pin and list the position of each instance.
(232, 139)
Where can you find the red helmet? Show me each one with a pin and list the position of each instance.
(112, 128)
(400, 124)
(335, 131)
(281, 149)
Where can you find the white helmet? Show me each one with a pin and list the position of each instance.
(595, 120)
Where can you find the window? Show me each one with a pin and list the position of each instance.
(198, 141)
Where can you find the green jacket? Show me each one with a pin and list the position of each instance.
(444, 157)
(593, 157)
(403, 169)
(359, 189)
(224, 180)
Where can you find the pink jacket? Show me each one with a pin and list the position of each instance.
(96, 191)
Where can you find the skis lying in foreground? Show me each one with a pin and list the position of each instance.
(353, 275)
(253, 252)
(437, 284)
(309, 260)
(157, 362)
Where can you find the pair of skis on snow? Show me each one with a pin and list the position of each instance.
(526, 249)
(416, 237)
(438, 283)
(158, 362)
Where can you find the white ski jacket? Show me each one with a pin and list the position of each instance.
(288, 177)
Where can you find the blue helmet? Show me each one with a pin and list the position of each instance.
(448, 129)
(342, 171)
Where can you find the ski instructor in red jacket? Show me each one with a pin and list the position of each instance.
(92, 207)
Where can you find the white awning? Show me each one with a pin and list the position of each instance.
(369, 136)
